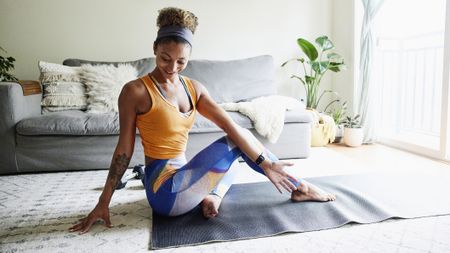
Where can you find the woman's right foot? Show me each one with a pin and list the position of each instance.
(210, 206)
(309, 192)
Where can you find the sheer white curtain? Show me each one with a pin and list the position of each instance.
(364, 101)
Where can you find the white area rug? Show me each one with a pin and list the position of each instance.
(36, 211)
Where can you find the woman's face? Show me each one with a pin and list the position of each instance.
(171, 58)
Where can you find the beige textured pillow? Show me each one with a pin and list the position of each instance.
(62, 88)
(103, 85)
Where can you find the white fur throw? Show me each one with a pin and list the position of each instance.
(103, 85)
(266, 113)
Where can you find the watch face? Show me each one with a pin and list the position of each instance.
(260, 159)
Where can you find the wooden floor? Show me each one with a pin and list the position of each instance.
(338, 159)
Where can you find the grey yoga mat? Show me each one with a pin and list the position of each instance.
(258, 210)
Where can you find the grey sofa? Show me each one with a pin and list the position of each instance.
(76, 140)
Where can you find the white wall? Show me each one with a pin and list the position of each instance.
(117, 30)
(345, 26)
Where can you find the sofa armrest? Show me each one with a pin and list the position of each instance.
(30, 87)
(14, 106)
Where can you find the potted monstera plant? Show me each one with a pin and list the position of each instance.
(353, 132)
(318, 61)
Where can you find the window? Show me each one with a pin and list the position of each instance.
(408, 73)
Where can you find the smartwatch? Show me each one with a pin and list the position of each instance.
(260, 159)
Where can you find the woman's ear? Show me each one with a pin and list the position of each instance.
(154, 48)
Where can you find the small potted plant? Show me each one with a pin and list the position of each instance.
(6, 65)
(353, 132)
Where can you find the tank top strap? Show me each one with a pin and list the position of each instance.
(189, 87)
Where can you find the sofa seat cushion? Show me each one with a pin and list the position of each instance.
(70, 123)
(203, 125)
(80, 123)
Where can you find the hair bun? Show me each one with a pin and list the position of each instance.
(171, 16)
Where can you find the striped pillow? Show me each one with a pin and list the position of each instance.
(62, 88)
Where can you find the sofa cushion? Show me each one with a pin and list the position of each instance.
(235, 80)
(104, 84)
(80, 123)
(62, 87)
(70, 123)
(226, 81)
(143, 66)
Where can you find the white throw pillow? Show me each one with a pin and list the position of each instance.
(62, 88)
(103, 85)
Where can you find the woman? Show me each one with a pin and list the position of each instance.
(162, 105)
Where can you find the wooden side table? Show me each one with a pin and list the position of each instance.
(30, 87)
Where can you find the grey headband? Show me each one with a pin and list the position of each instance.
(177, 31)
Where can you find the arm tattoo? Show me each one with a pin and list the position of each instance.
(118, 167)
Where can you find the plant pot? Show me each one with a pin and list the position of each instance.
(353, 137)
(339, 133)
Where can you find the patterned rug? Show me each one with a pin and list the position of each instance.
(38, 209)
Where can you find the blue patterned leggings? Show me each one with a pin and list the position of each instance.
(174, 186)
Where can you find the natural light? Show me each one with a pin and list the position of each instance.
(408, 71)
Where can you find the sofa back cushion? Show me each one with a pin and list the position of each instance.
(143, 66)
(226, 81)
(235, 80)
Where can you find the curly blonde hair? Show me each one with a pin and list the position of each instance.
(172, 16)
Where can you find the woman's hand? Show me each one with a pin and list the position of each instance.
(100, 212)
(274, 171)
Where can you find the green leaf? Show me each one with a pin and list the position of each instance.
(324, 43)
(309, 79)
(333, 57)
(308, 48)
(336, 67)
(294, 59)
(319, 67)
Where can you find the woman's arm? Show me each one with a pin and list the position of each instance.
(212, 111)
(125, 146)
(120, 160)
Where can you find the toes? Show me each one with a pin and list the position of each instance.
(209, 210)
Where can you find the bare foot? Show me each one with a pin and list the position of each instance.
(309, 192)
(210, 206)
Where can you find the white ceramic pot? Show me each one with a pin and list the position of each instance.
(353, 137)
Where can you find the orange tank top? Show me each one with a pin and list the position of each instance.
(164, 129)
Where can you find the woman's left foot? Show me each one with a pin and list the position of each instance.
(309, 192)
(210, 206)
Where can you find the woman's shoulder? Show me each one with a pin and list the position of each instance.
(196, 85)
(134, 91)
(134, 87)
